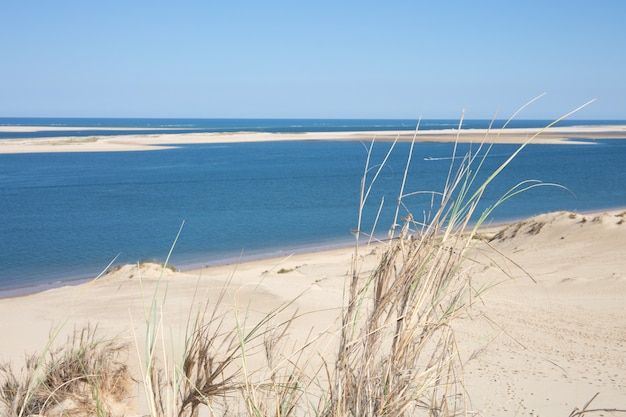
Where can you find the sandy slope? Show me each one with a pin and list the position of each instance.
(544, 347)
(537, 346)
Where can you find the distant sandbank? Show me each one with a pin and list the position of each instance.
(116, 143)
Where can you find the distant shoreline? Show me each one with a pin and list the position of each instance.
(142, 142)
(266, 257)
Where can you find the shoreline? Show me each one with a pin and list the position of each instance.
(546, 344)
(157, 141)
(312, 249)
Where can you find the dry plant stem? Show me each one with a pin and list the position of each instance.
(401, 194)
(586, 410)
(365, 191)
(405, 302)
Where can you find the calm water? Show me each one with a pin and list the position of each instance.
(66, 216)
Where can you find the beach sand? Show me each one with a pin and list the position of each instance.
(104, 143)
(543, 341)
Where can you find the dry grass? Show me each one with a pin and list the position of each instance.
(397, 354)
(86, 376)
(205, 373)
(399, 358)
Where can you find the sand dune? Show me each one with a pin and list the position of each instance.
(544, 340)
(552, 334)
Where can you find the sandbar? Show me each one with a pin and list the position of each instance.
(132, 142)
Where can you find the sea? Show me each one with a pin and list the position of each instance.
(67, 217)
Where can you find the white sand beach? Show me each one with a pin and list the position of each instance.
(543, 341)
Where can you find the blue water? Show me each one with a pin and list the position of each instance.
(67, 215)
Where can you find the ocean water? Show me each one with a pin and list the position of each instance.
(65, 216)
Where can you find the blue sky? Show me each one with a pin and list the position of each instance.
(326, 59)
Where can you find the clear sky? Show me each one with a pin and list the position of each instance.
(313, 59)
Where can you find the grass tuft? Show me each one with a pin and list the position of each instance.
(86, 376)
